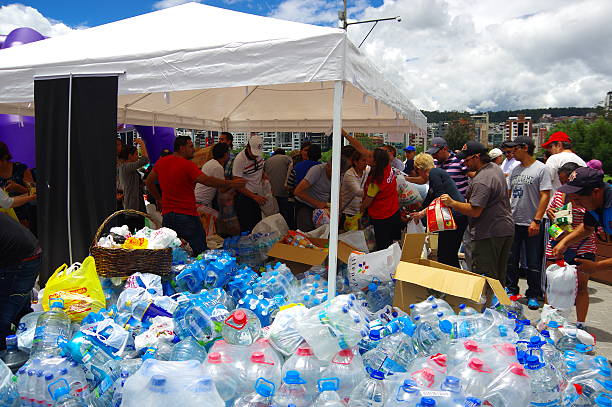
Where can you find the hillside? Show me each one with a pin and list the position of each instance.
(500, 116)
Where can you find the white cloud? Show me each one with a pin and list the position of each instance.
(482, 54)
(16, 15)
(158, 5)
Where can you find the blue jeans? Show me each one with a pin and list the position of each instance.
(534, 247)
(189, 228)
(16, 283)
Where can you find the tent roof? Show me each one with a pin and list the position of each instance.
(198, 66)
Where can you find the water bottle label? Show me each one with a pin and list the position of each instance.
(554, 403)
(393, 366)
(436, 393)
(38, 334)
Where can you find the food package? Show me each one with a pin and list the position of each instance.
(439, 217)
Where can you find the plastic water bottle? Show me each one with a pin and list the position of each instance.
(12, 356)
(63, 398)
(464, 326)
(226, 377)
(264, 346)
(554, 332)
(427, 338)
(370, 392)
(407, 395)
(525, 330)
(188, 349)
(75, 375)
(52, 330)
(156, 391)
(293, 391)
(9, 395)
(371, 341)
(118, 393)
(378, 296)
(260, 367)
(204, 393)
(393, 355)
(241, 327)
(307, 365)
(194, 322)
(262, 397)
(348, 367)
(474, 376)
(328, 396)
(568, 341)
(465, 310)
(453, 385)
(545, 390)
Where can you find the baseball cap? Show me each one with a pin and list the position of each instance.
(470, 148)
(520, 141)
(496, 152)
(437, 144)
(583, 177)
(409, 148)
(557, 136)
(256, 144)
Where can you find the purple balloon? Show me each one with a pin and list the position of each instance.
(23, 35)
(156, 140)
(18, 134)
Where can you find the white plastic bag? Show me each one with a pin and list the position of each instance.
(551, 314)
(380, 265)
(275, 223)
(412, 228)
(355, 238)
(271, 206)
(322, 232)
(562, 285)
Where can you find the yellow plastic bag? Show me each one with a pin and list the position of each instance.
(78, 286)
(352, 222)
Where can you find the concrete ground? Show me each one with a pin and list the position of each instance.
(599, 318)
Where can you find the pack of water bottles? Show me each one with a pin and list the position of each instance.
(251, 249)
(218, 333)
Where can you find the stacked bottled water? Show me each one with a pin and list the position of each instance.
(220, 334)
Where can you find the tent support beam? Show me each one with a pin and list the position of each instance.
(335, 190)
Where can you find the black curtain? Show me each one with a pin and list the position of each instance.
(92, 166)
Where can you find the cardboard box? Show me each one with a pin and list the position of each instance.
(299, 259)
(415, 277)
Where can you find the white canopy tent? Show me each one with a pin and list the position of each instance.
(201, 67)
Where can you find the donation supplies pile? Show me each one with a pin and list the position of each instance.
(218, 332)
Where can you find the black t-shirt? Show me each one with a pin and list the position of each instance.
(16, 242)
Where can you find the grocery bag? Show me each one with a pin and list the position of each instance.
(320, 217)
(275, 223)
(271, 206)
(562, 285)
(365, 268)
(78, 286)
(439, 217)
(408, 193)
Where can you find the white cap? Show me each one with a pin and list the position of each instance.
(256, 144)
(496, 152)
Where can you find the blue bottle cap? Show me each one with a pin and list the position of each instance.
(293, 377)
(553, 324)
(411, 306)
(410, 386)
(60, 392)
(377, 374)
(48, 377)
(435, 306)
(545, 333)
(440, 314)
(462, 306)
(375, 334)
(372, 287)
(446, 326)
(427, 402)
(472, 402)
(328, 384)
(533, 362)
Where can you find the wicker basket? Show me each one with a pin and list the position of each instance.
(125, 262)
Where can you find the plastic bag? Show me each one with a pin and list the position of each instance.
(439, 217)
(271, 206)
(408, 193)
(551, 314)
(562, 285)
(283, 335)
(320, 217)
(275, 223)
(355, 238)
(78, 286)
(26, 329)
(364, 268)
(351, 222)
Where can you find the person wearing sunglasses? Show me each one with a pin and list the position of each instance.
(586, 188)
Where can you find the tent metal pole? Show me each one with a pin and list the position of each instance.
(69, 223)
(335, 190)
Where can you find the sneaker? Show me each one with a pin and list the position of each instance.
(582, 326)
(533, 304)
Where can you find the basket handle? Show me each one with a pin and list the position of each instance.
(132, 211)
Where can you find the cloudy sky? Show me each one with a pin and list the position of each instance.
(445, 54)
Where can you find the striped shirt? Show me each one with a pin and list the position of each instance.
(587, 245)
(457, 170)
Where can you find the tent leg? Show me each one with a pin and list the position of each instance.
(335, 189)
(68, 198)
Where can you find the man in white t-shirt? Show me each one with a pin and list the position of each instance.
(213, 168)
(248, 164)
(560, 146)
(510, 162)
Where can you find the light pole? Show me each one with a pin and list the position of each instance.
(343, 16)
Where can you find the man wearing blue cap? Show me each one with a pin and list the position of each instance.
(409, 153)
(587, 188)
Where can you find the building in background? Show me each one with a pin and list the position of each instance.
(608, 101)
(481, 127)
(496, 134)
(520, 125)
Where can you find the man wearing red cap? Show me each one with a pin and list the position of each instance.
(560, 146)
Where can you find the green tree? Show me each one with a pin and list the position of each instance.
(459, 132)
(590, 140)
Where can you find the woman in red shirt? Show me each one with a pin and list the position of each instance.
(381, 201)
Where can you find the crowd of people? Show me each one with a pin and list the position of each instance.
(502, 200)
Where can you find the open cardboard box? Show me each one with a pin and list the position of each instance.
(414, 276)
(299, 259)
